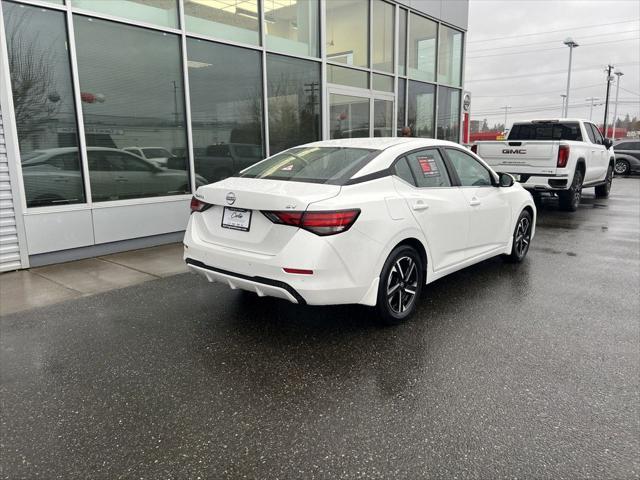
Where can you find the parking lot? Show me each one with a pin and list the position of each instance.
(507, 371)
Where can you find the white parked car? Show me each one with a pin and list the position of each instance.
(158, 155)
(366, 221)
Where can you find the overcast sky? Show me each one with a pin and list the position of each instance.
(518, 45)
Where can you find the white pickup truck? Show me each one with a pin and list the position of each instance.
(559, 156)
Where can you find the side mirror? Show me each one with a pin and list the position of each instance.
(505, 180)
(608, 143)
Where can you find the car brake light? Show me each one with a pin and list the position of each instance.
(474, 148)
(298, 271)
(563, 155)
(321, 223)
(198, 205)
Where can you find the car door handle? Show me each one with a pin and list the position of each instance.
(420, 205)
(474, 202)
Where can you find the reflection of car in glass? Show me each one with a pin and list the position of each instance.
(222, 161)
(158, 155)
(51, 176)
(627, 153)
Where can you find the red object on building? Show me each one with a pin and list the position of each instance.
(87, 97)
(477, 136)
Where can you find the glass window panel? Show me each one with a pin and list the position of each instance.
(428, 168)
(450, 56)
(402, 85)
(293, 88)
(382, 83)
(403, 171)
(347, 76)
(382, 118)
(402, 47)
(132, 98)
(421, 108)
(291, 26)
(422, 48)
(235, 20)
(348, 32)
(349, 116)
(470, 172)
(158, 12)
(225, 85)
(383, 15)
(44, 104)
(449, 114)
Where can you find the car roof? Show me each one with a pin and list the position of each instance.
(379, 143)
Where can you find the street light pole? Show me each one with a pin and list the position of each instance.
(591, 99)
(506, 108)
(606, 102)
(564, 97)
(619, 74)
(569, 42)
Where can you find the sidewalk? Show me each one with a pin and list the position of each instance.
(43, 286)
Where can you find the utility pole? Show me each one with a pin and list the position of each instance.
(606, 102)
(564, 97)
(569, 42)
(506, 108)
(619, 74)
(591, 100)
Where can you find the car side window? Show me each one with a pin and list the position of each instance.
(428, 168)
(470, 172)
(402, 170)
(596, 134)
(132, 164)
(592, 137)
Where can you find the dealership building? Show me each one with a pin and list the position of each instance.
(112, 112)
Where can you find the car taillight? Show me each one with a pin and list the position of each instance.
(563, 155)
(198, 205)
(474, 148)
(320, 223)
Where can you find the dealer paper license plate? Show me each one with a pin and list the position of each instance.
(236, 218)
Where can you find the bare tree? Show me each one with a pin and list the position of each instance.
(35, 99)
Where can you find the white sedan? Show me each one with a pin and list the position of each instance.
(367, 221)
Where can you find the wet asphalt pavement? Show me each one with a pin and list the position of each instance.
(507, 371)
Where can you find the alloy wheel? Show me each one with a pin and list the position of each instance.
(522, 237)
(402, 284)
(621, 168)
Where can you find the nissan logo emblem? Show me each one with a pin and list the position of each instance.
(231, 198)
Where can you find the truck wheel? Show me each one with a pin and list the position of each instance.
(570, 199)
(622, 167)
(521, 239)
(602, 191)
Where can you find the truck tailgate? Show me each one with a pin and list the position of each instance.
(520, 156)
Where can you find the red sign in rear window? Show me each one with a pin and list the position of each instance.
(428, 166)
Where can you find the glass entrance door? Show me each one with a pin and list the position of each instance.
(357, 113)
(348, 116)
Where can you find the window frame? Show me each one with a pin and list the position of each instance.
(494, 180)
(454, 181)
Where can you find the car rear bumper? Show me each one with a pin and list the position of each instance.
(331, 283)
(540, 183)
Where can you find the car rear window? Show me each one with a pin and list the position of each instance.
(330, 165)
(546, 131)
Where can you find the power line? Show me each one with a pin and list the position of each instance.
(629, 91)
(549, 72)
(551, 41)
(523, 52)
(552, 31)
(530, 94)
(543, 108)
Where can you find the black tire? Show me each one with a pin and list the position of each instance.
(521, 238)
(622, 167)
(403, 272)
(602, 191)
(570, 199)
